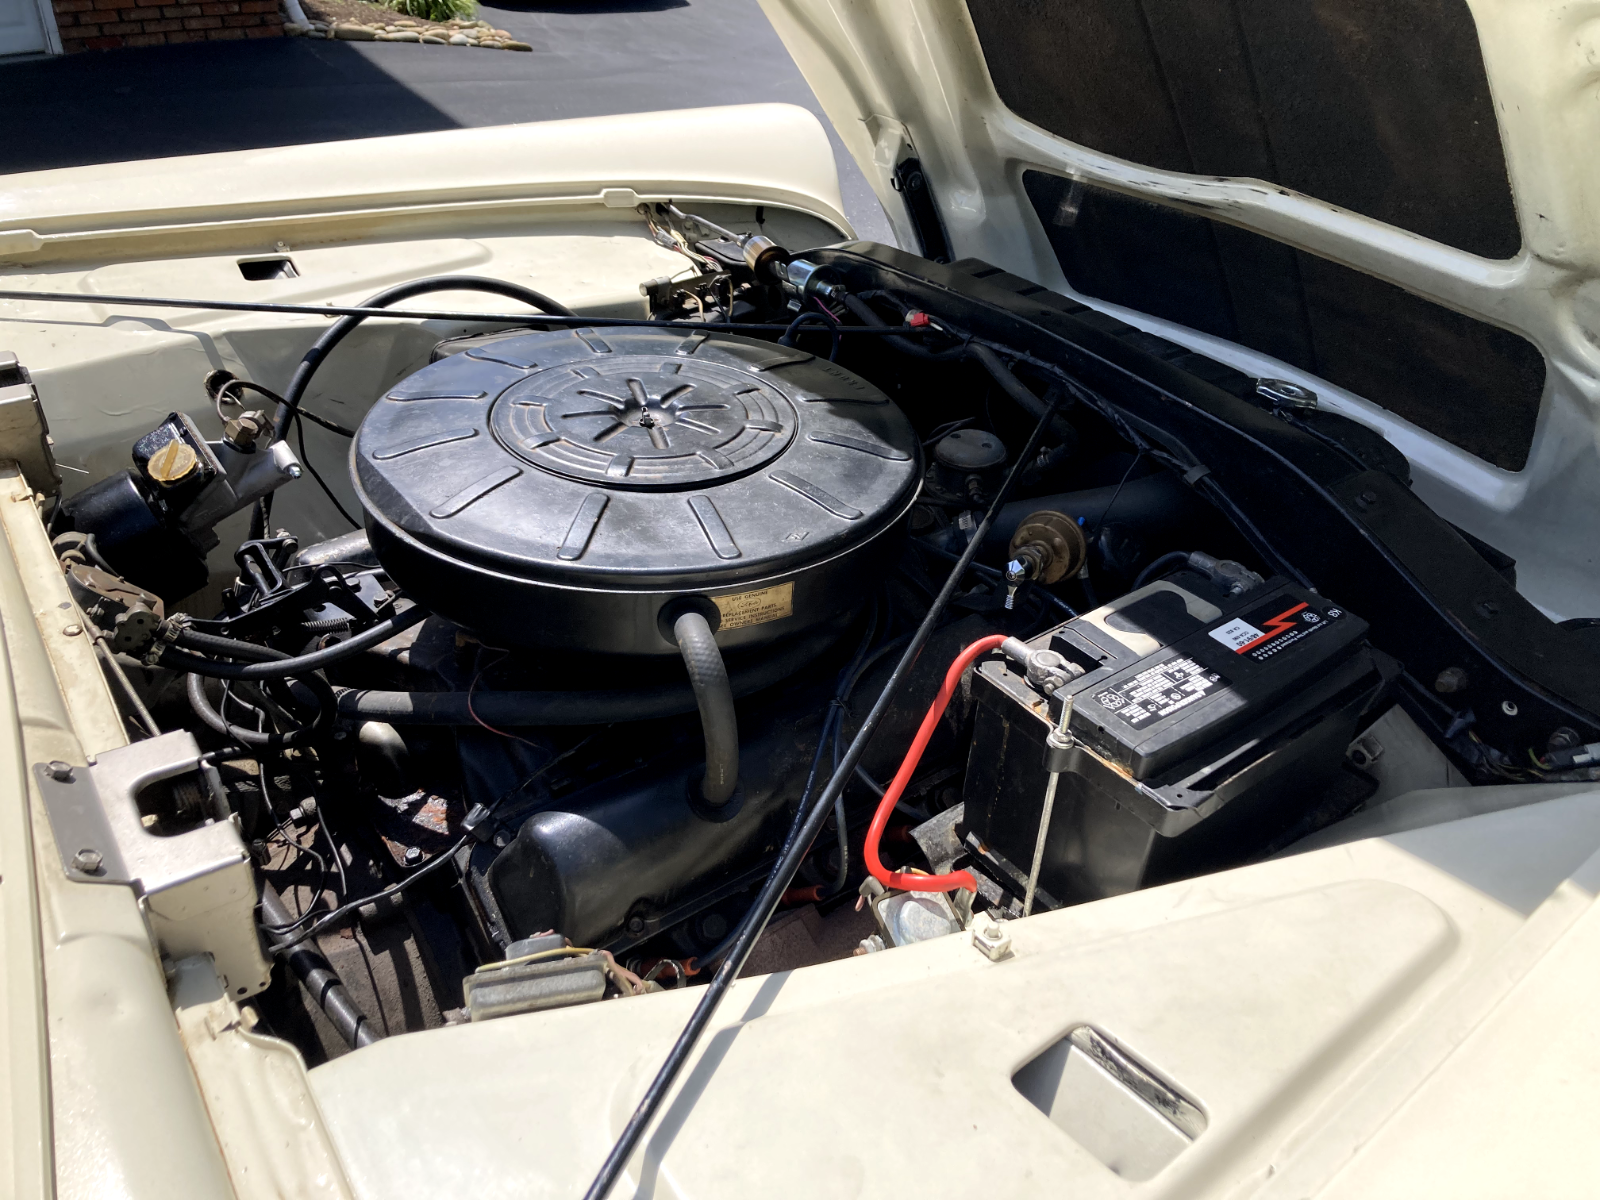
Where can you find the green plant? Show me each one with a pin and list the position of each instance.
(436, 10)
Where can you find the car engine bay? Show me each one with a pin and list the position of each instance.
(899, 598)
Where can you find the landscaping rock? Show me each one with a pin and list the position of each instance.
(345, 22)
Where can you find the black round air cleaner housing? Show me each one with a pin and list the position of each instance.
(574, 489)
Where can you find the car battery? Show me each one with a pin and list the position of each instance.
(1203, 729)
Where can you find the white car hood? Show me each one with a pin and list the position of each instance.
(912, 81)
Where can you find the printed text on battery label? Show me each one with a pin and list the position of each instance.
(1236, 634)
(1160, 691)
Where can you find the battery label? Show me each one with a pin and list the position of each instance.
(1160, 691)
(1237, 634)
(1274, 627)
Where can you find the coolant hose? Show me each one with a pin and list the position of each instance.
(597, 707)
(891, 794)
(713, 695)
(319, 978)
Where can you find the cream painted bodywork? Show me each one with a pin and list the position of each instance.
(910, 73)
(1403, 1016)
(549, 206)
(1372, 1018)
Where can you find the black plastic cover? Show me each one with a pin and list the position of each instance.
(635, 464)
(1208, 678)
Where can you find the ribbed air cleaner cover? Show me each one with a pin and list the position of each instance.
(558, 489)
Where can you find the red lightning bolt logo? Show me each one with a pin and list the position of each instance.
(1275, 625)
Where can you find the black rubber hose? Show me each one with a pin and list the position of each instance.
(573, 708)
(263, 667)
(1175, 559)
(327, 707)
(352, 548)
(1008, 383)
(323, 346)
(319, 979)
(713, 694)
(864, 313)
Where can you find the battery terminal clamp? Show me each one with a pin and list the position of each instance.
(1046, 670)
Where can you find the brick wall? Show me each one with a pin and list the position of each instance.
(108, 24)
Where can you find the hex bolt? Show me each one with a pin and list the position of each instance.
(990, 937)
(88, 861)
(1451, 679)
(413, 855)
(61, 772)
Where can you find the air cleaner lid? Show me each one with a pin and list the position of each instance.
(635, 456)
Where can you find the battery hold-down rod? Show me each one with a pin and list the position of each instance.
(1057, 752)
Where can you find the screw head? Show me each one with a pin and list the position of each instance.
(635, 925)
(72, 630)
(61, 772)
(88, 861)
(1451, 679)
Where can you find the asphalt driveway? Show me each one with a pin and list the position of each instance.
(589, 59)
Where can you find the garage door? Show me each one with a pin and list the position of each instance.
(21, 27)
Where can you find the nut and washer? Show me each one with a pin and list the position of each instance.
(991, 938)
(88, 861)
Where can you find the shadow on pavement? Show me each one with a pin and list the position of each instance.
(121, 105)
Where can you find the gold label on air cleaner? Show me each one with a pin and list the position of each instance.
(757, 607)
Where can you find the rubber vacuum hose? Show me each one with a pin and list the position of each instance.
(708, 676)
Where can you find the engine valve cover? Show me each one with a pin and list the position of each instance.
(559, 489)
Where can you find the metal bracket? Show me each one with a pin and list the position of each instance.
(196, 887)
(94, 813)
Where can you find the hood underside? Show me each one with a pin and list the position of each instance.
(1389, 204)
